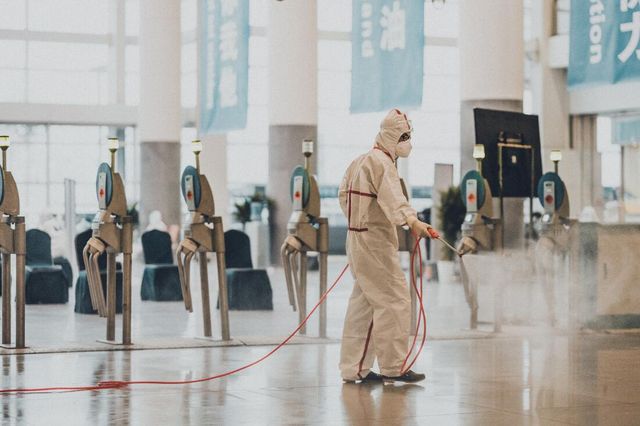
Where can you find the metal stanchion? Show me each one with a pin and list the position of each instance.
(204, 234)
(307, 232)
(12, 241)
(113, 234)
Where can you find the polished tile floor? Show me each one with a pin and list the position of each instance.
(57, 325)
(582, 380)
(525, 376)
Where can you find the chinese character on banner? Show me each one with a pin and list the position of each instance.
(393, 27)
(366, 30)
(387, 54)
(228, 83)
(224, 73)
(229, 41)
(604, 43)
(633, 28)
(626, 5)
(228, 7)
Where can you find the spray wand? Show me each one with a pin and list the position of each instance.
(449, 246)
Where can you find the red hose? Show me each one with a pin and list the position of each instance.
(422, 317)
(423, 314)
(120, 384)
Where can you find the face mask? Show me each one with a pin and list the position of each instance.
(404, 149)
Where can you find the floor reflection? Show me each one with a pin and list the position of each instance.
(586, 379)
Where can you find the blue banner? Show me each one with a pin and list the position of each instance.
(604, 42)
(626, 131)
(387, 54)
(224, 65)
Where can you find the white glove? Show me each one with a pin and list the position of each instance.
(424, 230)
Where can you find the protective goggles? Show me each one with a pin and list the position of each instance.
(405, 137)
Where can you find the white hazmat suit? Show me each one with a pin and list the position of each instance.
(378, 316)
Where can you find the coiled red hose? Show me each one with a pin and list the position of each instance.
(121, 384)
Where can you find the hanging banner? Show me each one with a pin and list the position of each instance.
(604, 42)
(387, 54)
(626, 131)
(224, 65)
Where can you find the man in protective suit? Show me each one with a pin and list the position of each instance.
(379, 312)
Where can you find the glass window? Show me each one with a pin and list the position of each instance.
(189, 15)
(610, 154)
(132, 17)
(334, 15)
(132, 58)
(68, 56)
(258, 12)
(34, 199)
(189, 59)
(74, 161)
(69, 16)
(13, 85)
(256, 132)
(334, 89)
(258, 90)
(441, 18)
(257, 173)
(334, 55)
(132, 88)
(13, 54)
(189, 92)
(74, 134)
(66, 73)
(131, 167)
(440, 93)
(258, 51)
(441, 60)
(66, 87)
(13, 16)
(43, 156)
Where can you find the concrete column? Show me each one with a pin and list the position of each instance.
(442, 180)
(293, 101)
(581, 169)
(551, 102)
(213, 163)
(159, 112)
(549, 85)
(117, 52)
(491, 50)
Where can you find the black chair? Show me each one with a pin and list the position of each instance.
(44, 281)
(66, 268)
(83, 297)
(337, 239)
(161, 280)
(248, 288)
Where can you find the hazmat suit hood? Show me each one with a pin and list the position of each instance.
(391, 128)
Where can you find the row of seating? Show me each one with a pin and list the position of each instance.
(47, 280)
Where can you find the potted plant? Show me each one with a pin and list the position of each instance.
(251, 208)
(132, 211)
(257, 203)
(451, 212)
(242, 212)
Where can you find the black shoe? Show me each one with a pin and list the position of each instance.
(373, 377)
(408, 377)
(370, 378)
